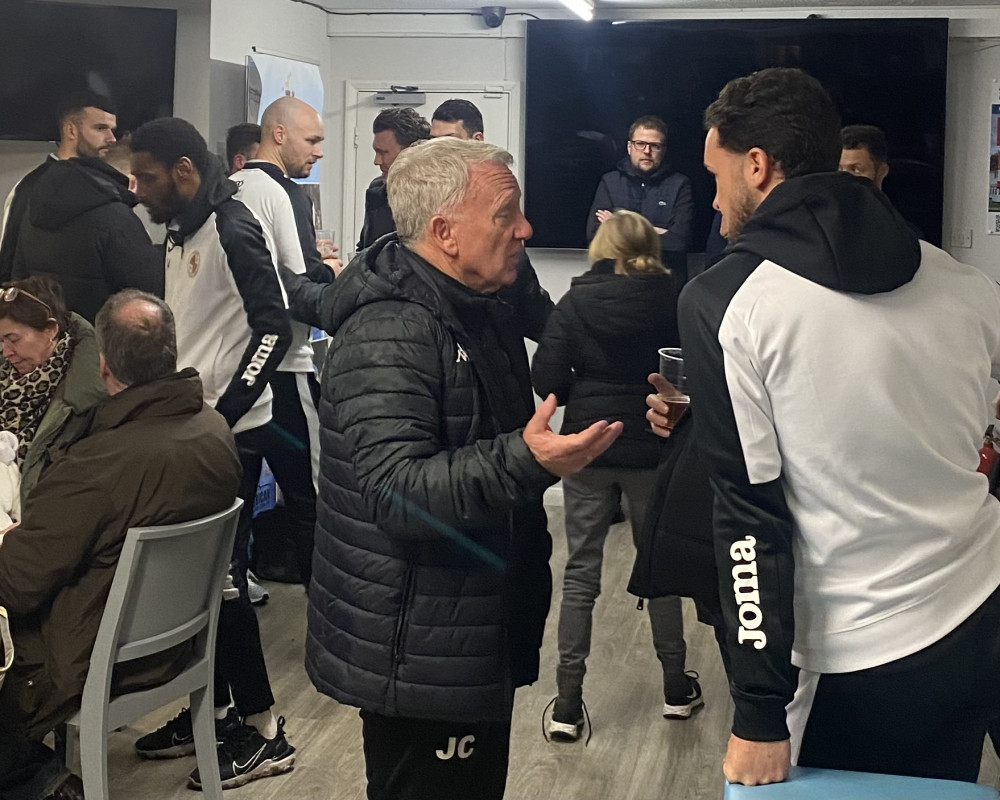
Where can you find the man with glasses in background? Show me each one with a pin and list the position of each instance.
(646, 183)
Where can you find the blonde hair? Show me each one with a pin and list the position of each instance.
(431, 177)
(630, 241)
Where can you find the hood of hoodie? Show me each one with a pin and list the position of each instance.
(383, 271)
(214, 190)
(627, 168)
(622, 306)
(835, 230)
(71, 188)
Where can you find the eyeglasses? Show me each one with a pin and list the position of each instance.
(10, 294)
(654, 147)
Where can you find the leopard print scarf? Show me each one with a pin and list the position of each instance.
(24, 399)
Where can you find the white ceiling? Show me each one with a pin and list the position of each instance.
(649, 5)
(473, 5)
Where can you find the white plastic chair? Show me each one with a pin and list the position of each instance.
(166, 591)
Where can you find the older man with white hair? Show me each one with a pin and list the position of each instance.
(431, 583)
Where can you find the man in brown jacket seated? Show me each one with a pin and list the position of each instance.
(154, 454)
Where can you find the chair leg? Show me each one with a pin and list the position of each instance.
(67, 745)
(203, 726)
(93, 742)
(59, 745)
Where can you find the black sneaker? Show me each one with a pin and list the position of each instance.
(566, 724)
(245, 756)
(175, 739)
(680, 701)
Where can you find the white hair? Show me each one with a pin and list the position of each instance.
(431, 177)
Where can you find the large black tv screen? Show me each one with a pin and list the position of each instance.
(50, 50)
(586, 82)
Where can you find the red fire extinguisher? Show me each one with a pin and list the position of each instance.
(989, 459)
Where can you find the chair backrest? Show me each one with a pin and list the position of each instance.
(166, 590)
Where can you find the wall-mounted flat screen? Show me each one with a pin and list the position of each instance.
(50, 50)
(586, 82)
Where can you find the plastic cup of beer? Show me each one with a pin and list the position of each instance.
(672, 369)
(325, 243)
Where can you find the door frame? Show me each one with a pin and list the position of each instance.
(353, 138)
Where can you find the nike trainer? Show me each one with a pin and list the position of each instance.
(245, 756)
(680, 701)
(175, 738)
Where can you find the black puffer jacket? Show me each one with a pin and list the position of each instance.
(430, 577)
(599, 346)
(80, 230)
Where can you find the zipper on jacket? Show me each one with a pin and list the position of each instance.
(397, 639)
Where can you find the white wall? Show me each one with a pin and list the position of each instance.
(275, 27)
(973, 65)
(403, 59)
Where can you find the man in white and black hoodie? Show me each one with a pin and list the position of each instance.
(233, 327)
(837, 369)
(291, 136)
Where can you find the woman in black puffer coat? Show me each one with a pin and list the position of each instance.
(599, 346)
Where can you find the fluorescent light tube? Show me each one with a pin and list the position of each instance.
(584, 9)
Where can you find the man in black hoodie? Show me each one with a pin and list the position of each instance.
(86, 130)
(81, 231)
(836, 369)
(394, 130)
(646, 183)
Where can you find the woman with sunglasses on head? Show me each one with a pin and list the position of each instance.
(50, 373)
(599, 346)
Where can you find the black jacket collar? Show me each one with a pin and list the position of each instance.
(266, 166)
(215, 189)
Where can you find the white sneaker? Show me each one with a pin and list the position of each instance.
(257, 593)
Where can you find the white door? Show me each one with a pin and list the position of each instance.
(493, 102)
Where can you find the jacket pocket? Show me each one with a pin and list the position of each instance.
(399, 636)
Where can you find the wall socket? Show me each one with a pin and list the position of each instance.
(961, 237)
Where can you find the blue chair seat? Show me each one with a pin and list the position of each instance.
(832, 784)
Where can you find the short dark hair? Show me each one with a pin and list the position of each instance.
(648, 121)
(783, 111)
(119, 153)
(405, 123)
(139, 345)
(238, 140)
(458, 110)
(73, 104)
(169, 139)
(872, 139)
(26, 308)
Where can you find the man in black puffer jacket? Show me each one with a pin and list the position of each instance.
(80, 230)
(430, 577)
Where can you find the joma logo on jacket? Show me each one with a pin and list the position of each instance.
(259, 359)
(747, 593)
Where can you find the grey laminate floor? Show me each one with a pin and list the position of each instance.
(634, 753)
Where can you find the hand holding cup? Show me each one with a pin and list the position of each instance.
(671, 399)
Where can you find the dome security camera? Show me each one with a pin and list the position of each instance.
(493, 15)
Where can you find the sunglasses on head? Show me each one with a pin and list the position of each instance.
(11, 293)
